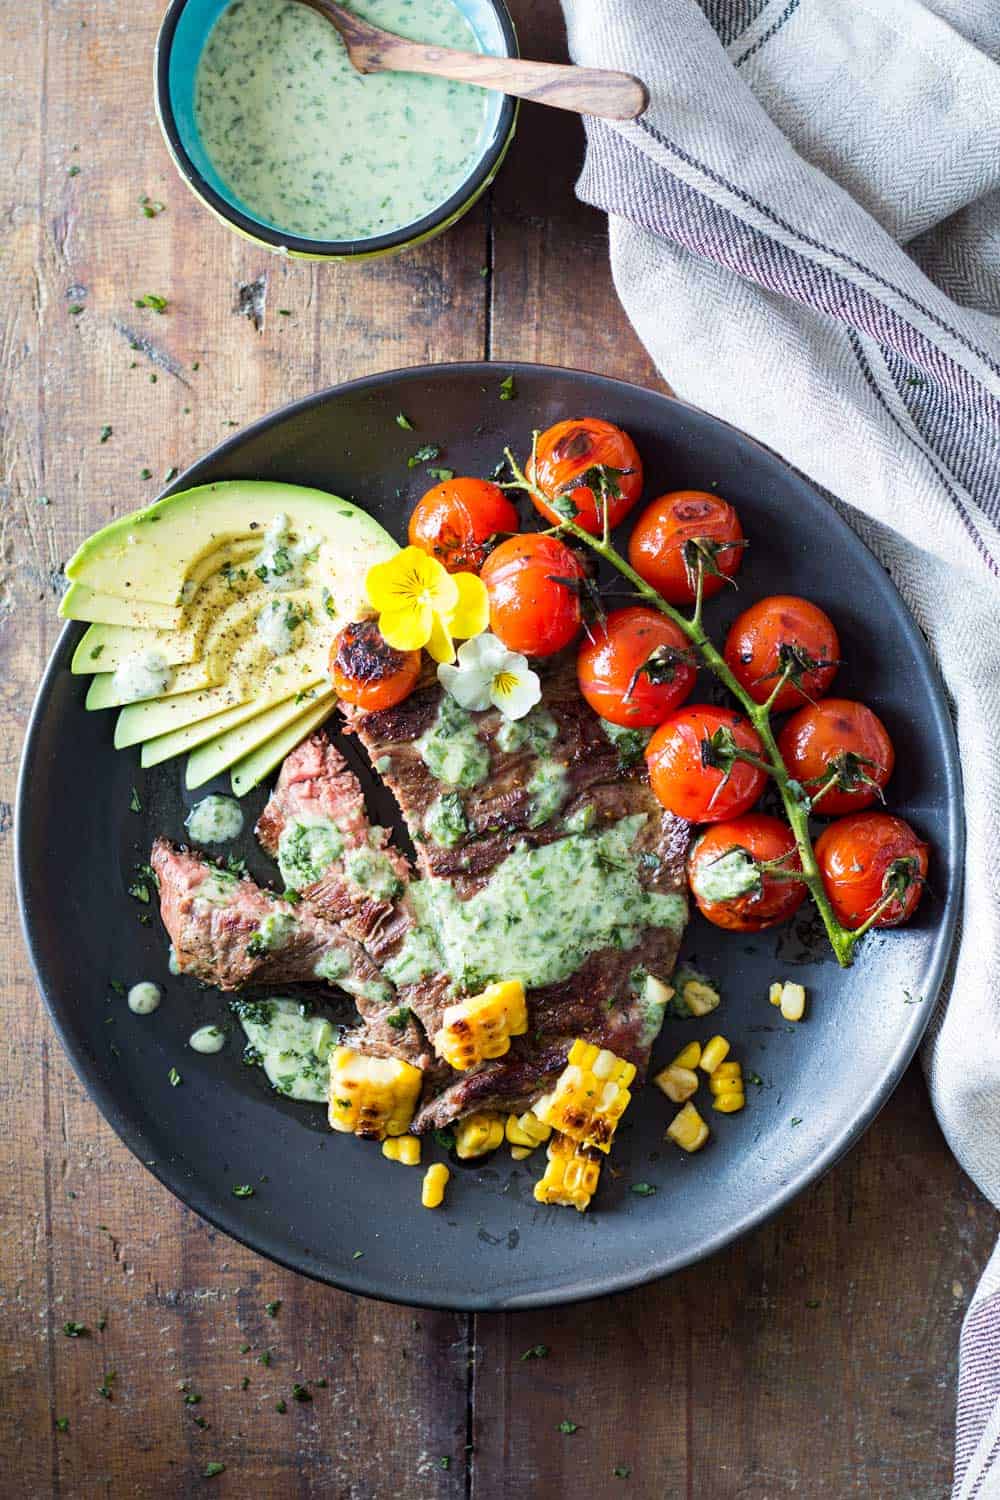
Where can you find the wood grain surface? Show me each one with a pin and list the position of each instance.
(816, 1359)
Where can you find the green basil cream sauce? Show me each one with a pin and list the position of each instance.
(313, 147)
(290, 1044)
(215, 820)
(451, 749)
(306, 850)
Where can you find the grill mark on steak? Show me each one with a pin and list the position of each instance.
(211, 939)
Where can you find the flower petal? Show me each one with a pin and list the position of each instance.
(471, 612)
(407, 627)
(467, 685)
(439, 643)
(515, 693)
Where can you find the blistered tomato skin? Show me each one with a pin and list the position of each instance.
(778, 631)
(682, 781)
(456, 519)
(367, 672)
(656, 546)
(635, 668)
(857, 854)
(533, 582)
(715, 878)
(843, 738)
(567, 451)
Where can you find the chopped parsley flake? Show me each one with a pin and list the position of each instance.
(210, 1471)
(567, 1426)
(151, 300)
(174, 1078)
(507, 391)
(242, 1190)
(425, 455)
(621, 1471)
(134, 801)
(271, 1308)
(62, 1424)
(643, 1189)
(537, 1351)
(75, 1330)
(106, 432)
(402, 420)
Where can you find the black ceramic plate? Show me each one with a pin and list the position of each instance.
(320, 1199)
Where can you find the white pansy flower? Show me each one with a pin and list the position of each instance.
(487, 673)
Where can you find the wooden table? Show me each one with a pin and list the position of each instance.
(816, 1359)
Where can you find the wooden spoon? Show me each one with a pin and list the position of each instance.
(586, 91)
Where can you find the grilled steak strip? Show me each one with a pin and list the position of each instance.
(228, 932)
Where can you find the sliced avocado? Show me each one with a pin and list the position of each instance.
(186, 738)
(245, 774)
(189, 679)
(154, 552)
(218, 753)
(83, 603)
(154, 717)
(105, 647)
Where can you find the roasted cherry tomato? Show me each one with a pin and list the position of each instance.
(867, 857)
(779, 634)
(455, 520)
(841, 753)
(369, 673)
(727, 879)
(670, 535)
(600, 457)
(636, 667)
(534, 586)
(691, 766)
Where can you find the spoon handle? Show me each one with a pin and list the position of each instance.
(585, 91)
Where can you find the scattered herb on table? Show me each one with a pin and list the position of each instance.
(444, 1462)
(402, 420)
(192, 1398)
(271, 1308)
(75, 309)
(264, 1358)
(104, 1389)
(568, 1427)
(73, 171)
(106, 432)
(174, 1078)
(151, 207)
(537, 1351)
(139, 890)
(244, 1383)
(424, 455)
(300, 1393)
(62, 1424)
(210, 1471)
(202, 1422)
(244, 1348)
(75, 1330)
(284, 312)
(281, 1406)
(621, 1471)
(151, 300)
(102, 1323)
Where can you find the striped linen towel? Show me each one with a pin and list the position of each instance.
(805, 232)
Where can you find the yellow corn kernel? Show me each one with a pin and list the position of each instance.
(371, 1096)
(688, 1057)
(402, 1148)
(727, 1076)
(687, 1129)
(434, 1183)
(520, 1152)
(390, 1147)
(713, 1053)
(793, 1002)
(481, 1026)
(526, 1130)
(478, 1133)
(774, 993)
(571, 1174)
(590, 1096)
(730, 1101)
(677, 1083)
(700, 998)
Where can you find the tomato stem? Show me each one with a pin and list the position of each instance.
(796, 804)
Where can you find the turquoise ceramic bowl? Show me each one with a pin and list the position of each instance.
(183, 34)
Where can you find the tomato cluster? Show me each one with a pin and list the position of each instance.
(637, 669)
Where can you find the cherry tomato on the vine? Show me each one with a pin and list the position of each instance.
(534, 585)
(692, 767)
(600, 458)
(636, 667)
(455, 520)
(783, 634)
(840, 751)
(866, 857)
(369, 673)
(728, 882)
(674, 531)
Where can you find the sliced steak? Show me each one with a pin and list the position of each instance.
(228, 932)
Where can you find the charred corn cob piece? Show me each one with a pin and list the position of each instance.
(481, 1026)
(402, 1148)
(571, 1174)
(434, 1183)
(527, 1130)
(371, 1096)
(478, 1133)
(590, 1096)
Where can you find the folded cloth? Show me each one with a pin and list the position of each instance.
(805, 232)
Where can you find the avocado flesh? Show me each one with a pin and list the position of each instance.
(82, 603)
(247, 773)
(102, 692)
(165, 746)
(219, 753)
(104, 647)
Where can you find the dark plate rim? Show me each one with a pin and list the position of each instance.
(353, 1278)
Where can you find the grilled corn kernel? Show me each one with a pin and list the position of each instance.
(478, 1133)
(700, 998)
(481, 1026)
(520, 1152)
(526, 1130)
(729, 1102)
(727, 1076)
(371, 1096)
(687, 1129)
(590, 1096)
(688, 1057)
(774, 993)
(402, 1148)
(793, 1002)
(677, 1083)
(571, 1174)
(434, 1183)
(713, 1053)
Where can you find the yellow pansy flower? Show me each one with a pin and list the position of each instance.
(419, 603)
